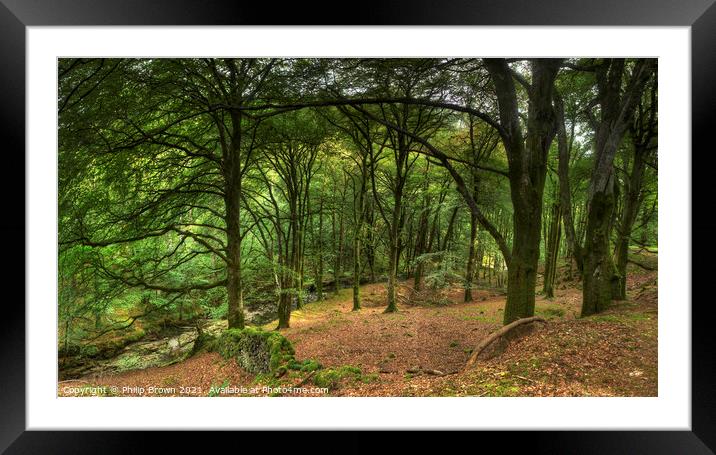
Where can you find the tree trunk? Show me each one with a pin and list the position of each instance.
(616, 111)
(527, 158)
(299, 266)
(420, 246)
(336, 252)
(598, 266)
(643, 132)
(284, 308)
(394, 250)
(621, 257)
(356, 272)
(552, 251)
(470, 273)
(450, 228)
(565, 196)
(369, 250)
(522, 269)
(341, 241)
(319, 273)
(232, 198)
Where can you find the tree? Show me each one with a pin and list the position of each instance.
(642, 133)
(154, 132)
(288, 166)
(616, 107)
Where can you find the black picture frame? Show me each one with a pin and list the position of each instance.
(16, 15)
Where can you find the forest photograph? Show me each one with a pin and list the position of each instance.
(374, 227)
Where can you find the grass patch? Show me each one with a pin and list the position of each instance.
(478, 318)
(622, 318)
(550, 312)
(330, 378)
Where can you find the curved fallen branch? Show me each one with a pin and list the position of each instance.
(495, 336)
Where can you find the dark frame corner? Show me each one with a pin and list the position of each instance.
(16, 15)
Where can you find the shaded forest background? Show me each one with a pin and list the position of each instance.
(244, 189)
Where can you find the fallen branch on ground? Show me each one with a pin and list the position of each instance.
(499, 334)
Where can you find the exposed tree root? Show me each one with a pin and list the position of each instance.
(501, 335)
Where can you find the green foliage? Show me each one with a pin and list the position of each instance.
(219, 312)
(442, 271)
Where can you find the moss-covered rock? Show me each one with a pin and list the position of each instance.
(256, 350)
(204, 342)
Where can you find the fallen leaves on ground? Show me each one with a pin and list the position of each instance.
(421, 350)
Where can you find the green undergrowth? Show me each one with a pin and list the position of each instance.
(550, 312)
(331, 377)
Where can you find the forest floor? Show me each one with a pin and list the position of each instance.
(422, 350)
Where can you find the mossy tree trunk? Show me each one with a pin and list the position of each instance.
(522, 269)
(617, 106)
(643, 134)
(598, 265)
(527, 160)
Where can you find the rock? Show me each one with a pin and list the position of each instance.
(139, 355)
(257, 351)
